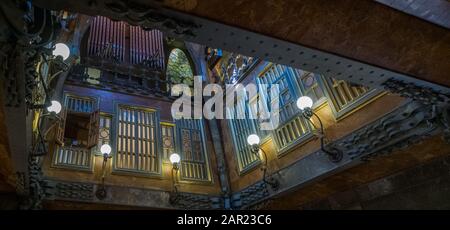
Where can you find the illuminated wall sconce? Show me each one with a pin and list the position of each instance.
(53, 110)
(175, 160)
(53, 107)
(253, 140)
(305, 104)
(55, 61)
(106, 151)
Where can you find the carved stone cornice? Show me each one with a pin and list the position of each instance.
(425, 95)
(250, 196)
(192, 201)
(445, 121)
(76, 191)
(401, 128)
(85, 192)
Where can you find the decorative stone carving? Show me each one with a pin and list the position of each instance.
(250, 196)
(236, 67)
(26, 30)
(74, 191)
(427, 96)
(9, 74)
(445, 121)
(404, 126)
(31, 59)
(20, 183)
(85, 192)
(149, 17)
(37, 184)
(196, 201)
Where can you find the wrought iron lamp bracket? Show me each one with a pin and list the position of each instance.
(335, 154)
(273, 182)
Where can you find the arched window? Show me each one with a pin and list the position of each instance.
(179, 68)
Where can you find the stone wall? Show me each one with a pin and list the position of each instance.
(426, 186)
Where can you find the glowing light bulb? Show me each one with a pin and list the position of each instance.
(105, 149)
(62, 50)
(253, 139)
(55, 107)
(304, 102)
(174, 158)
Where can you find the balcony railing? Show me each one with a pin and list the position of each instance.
(140, 81)
(72, 157)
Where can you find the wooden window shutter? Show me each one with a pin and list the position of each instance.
(59, 135)
(94, 124)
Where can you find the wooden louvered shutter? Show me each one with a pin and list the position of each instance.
(59, 135)
(94, 124)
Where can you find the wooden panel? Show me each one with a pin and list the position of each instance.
(59, 136)
(278, 74)
(137, 149)
(241, 129)
(345, 97)
(80, 104)
(72, 157)
(194, 163)
(293, 128)
(168, 139)
(94, 124)
(104, 130)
